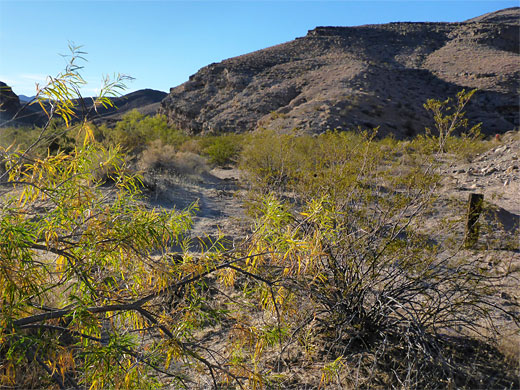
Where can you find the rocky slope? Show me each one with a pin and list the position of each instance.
(496, 175)
(344, 77)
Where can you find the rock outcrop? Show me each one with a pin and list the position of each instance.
(345, 77)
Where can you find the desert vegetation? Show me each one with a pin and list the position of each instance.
(363, 263)
(354, 273)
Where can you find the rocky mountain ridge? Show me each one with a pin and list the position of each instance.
(368, 76)
(145, 101)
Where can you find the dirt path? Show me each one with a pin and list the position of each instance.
(217, 194)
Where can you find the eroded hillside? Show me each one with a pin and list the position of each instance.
(373, 75)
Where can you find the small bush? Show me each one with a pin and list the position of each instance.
(135, 130)
(461, 148)
(190, 163)
(223, 149)
(450, 119)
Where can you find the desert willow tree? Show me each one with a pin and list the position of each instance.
(83, 276)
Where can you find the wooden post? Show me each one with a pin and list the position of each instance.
(472, 227)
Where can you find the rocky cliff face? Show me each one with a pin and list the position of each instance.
(373, 75)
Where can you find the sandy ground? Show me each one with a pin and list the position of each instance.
(217, 194)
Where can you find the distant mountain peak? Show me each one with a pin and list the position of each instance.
(25, 99)
(145, 101)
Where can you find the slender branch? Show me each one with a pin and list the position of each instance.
(129, 306)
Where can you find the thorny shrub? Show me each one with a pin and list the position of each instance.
(357, 259)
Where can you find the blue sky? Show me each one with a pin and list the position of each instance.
(161, 43)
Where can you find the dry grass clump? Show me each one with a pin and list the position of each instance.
(158, 156)
(191, 146)
(190, 163)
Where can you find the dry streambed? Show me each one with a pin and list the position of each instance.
(216, 193)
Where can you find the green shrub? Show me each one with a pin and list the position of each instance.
(56, 136)
(459, 148)
(223, 149)
(450, 119)
(135, 130)
(327, 163)
(220, 150)
(22, 137)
